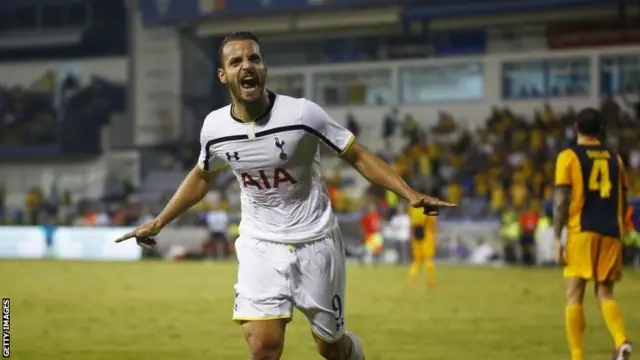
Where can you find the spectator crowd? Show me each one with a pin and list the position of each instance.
(36, 115)
(506, 164)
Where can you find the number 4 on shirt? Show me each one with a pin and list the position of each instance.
(599, 179)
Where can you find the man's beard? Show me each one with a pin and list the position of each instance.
(236, 94)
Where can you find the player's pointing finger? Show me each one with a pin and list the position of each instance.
(445, 204)
(126, 236)
(439, 203)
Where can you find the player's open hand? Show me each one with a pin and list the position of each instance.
(143, 234)
(430, 204)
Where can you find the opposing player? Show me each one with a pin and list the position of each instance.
(590, 198)
(423, 245)
(290, 250)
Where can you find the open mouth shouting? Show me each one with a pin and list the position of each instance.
(250, 84)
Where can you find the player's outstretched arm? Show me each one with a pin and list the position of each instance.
(378, 172)
(370, 166)
(193, 189)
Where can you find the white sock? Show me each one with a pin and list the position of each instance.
(357, 353)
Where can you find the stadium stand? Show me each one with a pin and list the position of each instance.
(50, 112)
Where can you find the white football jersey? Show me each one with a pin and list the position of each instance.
(276, 160)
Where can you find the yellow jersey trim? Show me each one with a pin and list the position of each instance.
(241, 319)
(346, 148)
(201, 167)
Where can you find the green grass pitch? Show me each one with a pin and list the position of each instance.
(162, 310)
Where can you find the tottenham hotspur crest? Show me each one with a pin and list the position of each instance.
(280, 145)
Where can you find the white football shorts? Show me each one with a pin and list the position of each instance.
(273, 278)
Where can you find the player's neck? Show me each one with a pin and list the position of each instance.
(585, 139)
(249, 112)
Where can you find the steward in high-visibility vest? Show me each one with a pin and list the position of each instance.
(510, 233)
(391, 198)
(544, 222)
(510, 229)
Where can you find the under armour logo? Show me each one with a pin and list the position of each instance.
(233, 156)
(280, 145)
(163, 6)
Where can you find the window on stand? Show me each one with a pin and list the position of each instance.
(523, 80)
(292, 85)
(53, 16)
(26, 18)
(77, 14)
(569, 77)
(6, 19)
(546, 78)
(441, 83)
(620, 74)
(367, 87)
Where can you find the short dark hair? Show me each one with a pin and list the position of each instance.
(589, 122)
(236, 35)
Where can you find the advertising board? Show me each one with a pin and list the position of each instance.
(66, 243)
(17, 242)
(93, 244)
